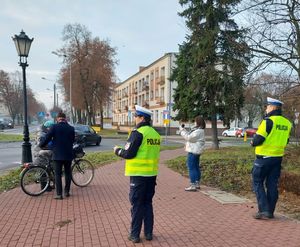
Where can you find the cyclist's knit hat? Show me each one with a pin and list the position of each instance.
(48, 123)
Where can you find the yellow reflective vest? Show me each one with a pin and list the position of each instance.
(276, 140)
(145, 163)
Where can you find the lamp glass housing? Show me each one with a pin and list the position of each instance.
(22, 43)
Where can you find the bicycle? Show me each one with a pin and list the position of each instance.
(35, 179)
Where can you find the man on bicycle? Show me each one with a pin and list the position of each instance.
(42, 156)
(63, 135)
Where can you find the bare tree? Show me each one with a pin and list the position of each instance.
(11, 93)
(275, 35)
(92, 62)
(274, 84)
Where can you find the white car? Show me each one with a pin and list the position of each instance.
(230, 132)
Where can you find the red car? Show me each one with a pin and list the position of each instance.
(250, 132)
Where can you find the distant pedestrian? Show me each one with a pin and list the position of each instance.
(142, 157)
(63, 136)
(195, 141)
(270, 141)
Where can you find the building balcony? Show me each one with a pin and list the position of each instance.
(160, 100)
(145, 104)
(125, 95)
(161, 80)
(146, 87)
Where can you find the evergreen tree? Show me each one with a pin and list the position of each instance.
(211, 64)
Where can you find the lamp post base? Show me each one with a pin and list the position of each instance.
(26, 152)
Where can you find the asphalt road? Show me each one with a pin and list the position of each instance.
(11, 152)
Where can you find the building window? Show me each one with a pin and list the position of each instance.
(162, 71)
(140, 85)
(156, 73)
(162, 92)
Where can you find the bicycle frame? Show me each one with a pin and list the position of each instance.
(41, 169)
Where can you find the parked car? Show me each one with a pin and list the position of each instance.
(86, 135)
(250, 132)
(231, 132)
(6, 123)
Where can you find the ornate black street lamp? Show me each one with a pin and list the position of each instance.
(23, 43)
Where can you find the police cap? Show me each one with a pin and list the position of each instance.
(142, 111)
(271, 101)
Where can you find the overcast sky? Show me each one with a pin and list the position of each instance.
(141, 30)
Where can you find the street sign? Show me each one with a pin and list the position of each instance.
(53, 114)
(166, 114)
(166, 121)
(41, 114)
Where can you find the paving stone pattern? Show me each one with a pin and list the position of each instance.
(99, 215)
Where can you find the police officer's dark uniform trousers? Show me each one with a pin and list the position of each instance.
(142, 156)
(270, 140)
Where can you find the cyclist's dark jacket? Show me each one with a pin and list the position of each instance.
(63, 136)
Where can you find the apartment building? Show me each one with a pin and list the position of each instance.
(150, 87)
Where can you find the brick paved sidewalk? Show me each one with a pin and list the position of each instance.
(99, 216)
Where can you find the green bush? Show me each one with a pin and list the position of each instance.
(290, 182)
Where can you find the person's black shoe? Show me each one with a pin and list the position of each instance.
(149, 236)
(58, 197)
(134, 239)
(67, 194)
(263, 216)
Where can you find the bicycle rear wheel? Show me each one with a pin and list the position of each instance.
(82, 172)
(35, 180)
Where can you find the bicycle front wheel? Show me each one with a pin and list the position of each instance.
(82, 172)
(35, 180)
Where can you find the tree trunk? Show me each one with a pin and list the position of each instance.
(101, 118)
(79, 118)
(215, 140)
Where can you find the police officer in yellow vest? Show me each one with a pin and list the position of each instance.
(142, 157)
(270, 140)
